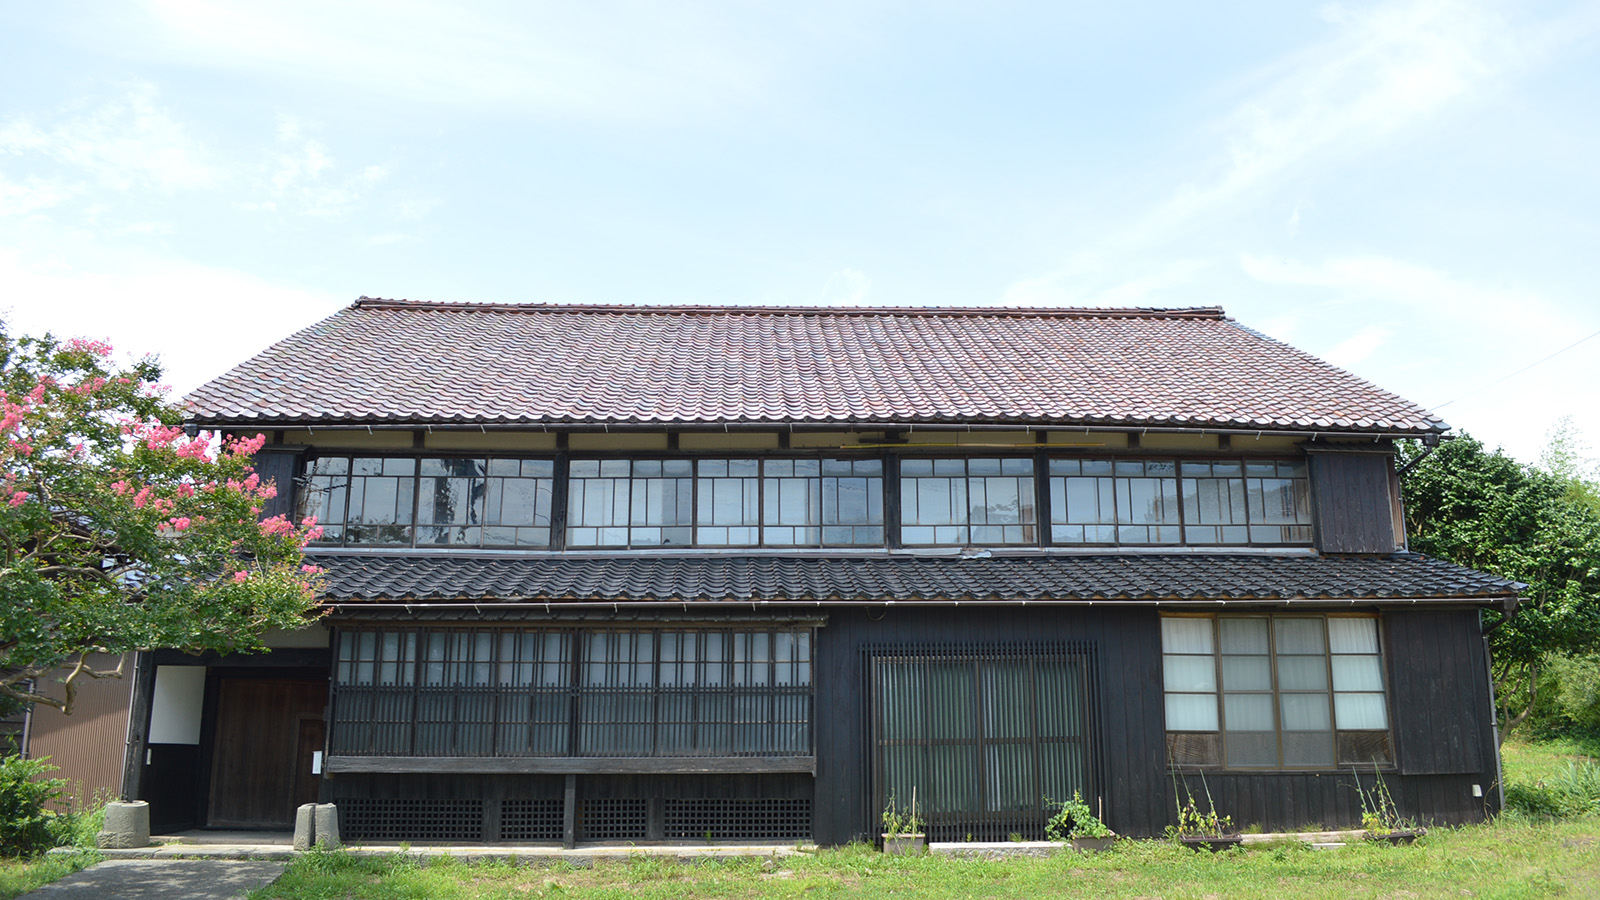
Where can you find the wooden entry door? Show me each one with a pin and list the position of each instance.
(266, 732)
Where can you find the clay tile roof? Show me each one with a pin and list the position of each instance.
(1399, 577)
(387, 362)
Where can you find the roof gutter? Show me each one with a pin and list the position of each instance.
(758, 605)
(793, 426)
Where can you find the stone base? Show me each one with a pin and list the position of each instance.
(127, 826)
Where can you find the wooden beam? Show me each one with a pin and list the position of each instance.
(570, 765)
(137, 744)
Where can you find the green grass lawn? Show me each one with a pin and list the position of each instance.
(1514, 860)
(1534, 761)
(1515, 857)
(19, 876)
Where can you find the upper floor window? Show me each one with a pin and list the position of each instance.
(725, 503)
(630, 503)
(967, 501)
(1131, 501)
(1123, 501)
(494, 502)
(1257, 502)
(432, 501)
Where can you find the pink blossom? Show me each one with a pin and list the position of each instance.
(98, 348)
(141, 498)
(246, 446)
(308, 521)
(185, 490)
(276, 525)
(181, 523)
(310, 570)
(240, 577)
(120, 487)
(19, 498)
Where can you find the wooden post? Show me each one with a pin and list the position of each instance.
(137, 744)
(569, 837)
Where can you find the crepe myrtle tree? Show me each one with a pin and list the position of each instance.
(120, 532)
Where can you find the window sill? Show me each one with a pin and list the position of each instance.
(570, 765)
(1359, 768)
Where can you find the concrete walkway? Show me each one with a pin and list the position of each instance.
(162, 879)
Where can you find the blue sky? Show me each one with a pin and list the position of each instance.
(1407, 189)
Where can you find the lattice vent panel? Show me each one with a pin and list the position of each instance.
(531, 820)
(611, 819)
(738, 820)
(411, 820)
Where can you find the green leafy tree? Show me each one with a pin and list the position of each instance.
(120, 532)
(1486, 510)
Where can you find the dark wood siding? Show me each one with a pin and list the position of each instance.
(278, 468)
(1352, 504)
(1439, 691)
(1438, 698)
(1293, 801)
(1126, 715)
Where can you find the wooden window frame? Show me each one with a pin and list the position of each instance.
(555, 479)
(354, 745)
(1219, 737)
(1182, 524)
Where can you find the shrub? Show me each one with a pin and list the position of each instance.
(26, 826)
(1570, 793)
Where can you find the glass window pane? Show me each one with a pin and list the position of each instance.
(1302, 673)
(1244, 635)
(1249, 712)
(1303, 749)
(1305, 712)
(1191, 712)
(1185, 635)
(1246, 673)
(1347, 634)
(1189, 673)
(1364, 711)
(1357, 673)
(1300, 635)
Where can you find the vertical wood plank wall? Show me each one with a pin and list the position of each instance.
(1352, 506)
(1439, 702)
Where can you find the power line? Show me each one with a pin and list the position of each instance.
(1525, 368)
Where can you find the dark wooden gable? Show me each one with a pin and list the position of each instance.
(1353, 502)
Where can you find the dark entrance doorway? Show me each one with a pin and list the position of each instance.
(983, 738)
(267, 730)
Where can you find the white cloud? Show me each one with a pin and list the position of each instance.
(201, 320)
(33, 194)
(1385, 71)
(301, 177)
(125, 143)
(1463, 338)
(590, 60)
(845, 287)
(1358, 346)
(1437, 296)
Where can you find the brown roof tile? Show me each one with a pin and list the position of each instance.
(401, 362)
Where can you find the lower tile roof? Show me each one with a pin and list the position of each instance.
(994, 578)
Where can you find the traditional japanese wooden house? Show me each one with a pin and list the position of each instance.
(689, 573)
